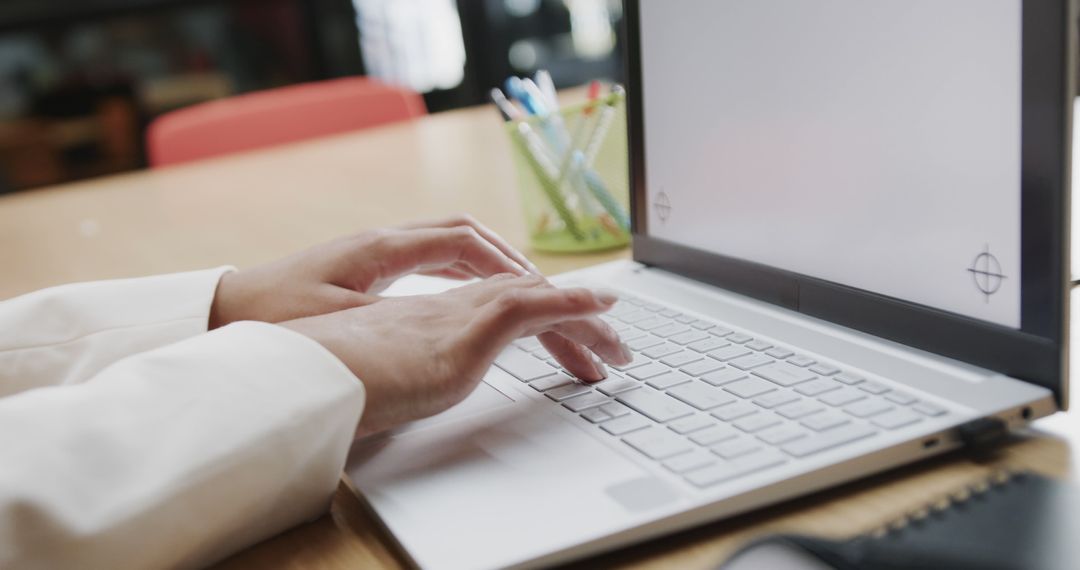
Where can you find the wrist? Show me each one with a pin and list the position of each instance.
(222, 310)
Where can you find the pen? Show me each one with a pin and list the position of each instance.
(547, 87)
(603, 125)
(515, 88)
(546, 173)
(506, 108)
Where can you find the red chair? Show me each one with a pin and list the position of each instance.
(278, 116)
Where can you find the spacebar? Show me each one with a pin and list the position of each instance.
(522, 365)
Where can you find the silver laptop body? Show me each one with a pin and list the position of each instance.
(770, 366)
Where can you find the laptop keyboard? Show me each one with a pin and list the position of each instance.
(712, 403)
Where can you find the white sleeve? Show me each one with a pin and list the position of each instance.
(178, 456)
(66, 334)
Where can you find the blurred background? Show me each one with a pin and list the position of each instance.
(80, 81)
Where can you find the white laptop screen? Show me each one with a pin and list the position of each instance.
(872, 144)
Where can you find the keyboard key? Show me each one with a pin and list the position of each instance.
(801, 361)
(774, 399)
(702, 367)
(784, 374)
(567, 392)
(685, 319)
(615, 409)
(873, 387)
(669, 313)
(750, 361)
(689, 461)
(902, 398)
(665, 381)
(662, 350)
(720, 331)
(522, 366)
(638, 361)
(779, 352)
(929, 409)
(729, 352)
(815, 387)
(750, 387)
(849, 379)
(614, 385)
(714, 435)
(824, 369)
(707, 344)
(779, 435)
(625, 424)
(541, 353)
(651, 323)
(657, 443)
(735, 411)
(701, 396)
(867, 408)
(681, 358)
(647, 341)
(702, 325)
(827, 440)
(648, 371)
(800, 409)
(634, 316)
(822, 422)
(735, 448)
(758, 345)
(669, 329)
(725, 376)
(553, 381)
(691, 424)
(596, 415)
(654, 307)
(842, 397)
(719, 473)
(896, 419)
(528, 344)
(757, 422)
(691, 336)
(584, 402)
(739, 338)
(656, 405)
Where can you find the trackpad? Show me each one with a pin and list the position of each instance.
(643, 494)
(484, 398)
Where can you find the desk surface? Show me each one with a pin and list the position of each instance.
(253, 208)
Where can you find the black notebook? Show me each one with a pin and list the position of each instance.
(1010, 521)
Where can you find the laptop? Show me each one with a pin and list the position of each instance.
(849, 254)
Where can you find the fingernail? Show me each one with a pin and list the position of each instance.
(601, 370)
(606, 296)
(626, 354)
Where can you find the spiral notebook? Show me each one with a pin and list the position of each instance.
(1008, 521)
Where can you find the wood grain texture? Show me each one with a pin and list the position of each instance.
(252, 208)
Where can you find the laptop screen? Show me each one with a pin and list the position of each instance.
(875, 145)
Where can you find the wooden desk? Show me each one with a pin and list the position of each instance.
(249, 209)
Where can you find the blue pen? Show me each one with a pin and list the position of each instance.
(515, 88)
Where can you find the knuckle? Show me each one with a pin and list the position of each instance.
(509, 303)
(578, 298)
(533, 281)
(465, 234)
(463, 218)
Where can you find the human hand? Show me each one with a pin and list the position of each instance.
(418, 356)
(351, 271)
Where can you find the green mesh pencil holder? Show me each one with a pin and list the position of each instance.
(572, 174)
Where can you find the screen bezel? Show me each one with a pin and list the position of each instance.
(1037, 352)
